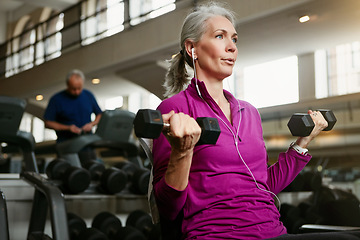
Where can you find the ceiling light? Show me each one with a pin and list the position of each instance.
(304, 18)
(39, 97)
(95, 81)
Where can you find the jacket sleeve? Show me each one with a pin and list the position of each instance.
(169, 200)
(284, 171)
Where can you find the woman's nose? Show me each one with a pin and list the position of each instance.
(231, 46)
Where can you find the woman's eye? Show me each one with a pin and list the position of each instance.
(235, 40)
(219, 36)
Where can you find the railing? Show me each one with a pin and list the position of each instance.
(62, 32)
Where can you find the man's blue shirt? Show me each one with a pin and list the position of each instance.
(67, 109)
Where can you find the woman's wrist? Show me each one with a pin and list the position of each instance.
(303, 141)
(298, 149)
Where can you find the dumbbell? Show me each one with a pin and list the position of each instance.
(137, 177)
(112, 227)
(301, 124)
(142, 221)
(73, 179)
(111, 180)
(79, 231)
(148, 123)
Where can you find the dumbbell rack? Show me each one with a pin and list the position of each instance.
(47, 196)
(36, 205)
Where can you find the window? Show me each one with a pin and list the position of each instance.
(272, 83)
(337, 70)
(115, 17)
(114, 103)
(20, 50)
(26, 54)
(35, 126)
(142, 10)
(53, 36)
(102, 18)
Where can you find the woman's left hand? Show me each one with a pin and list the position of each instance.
(320, 124)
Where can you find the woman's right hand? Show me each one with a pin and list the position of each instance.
(184, 132)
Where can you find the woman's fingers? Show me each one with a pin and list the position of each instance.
(184, 132)
(319, 121)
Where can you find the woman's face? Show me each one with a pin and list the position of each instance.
(216, 51)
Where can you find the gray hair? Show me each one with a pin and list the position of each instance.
(76, 72)
(177, 78)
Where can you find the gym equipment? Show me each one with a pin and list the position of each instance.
(169, 229)
(11, 112)
(296, 185)
(329, 210)
(4, 224)
(142, 221)
(301, 124)
(114, 131)
(112, 227)
(38, 236)
(47, 196)
(290, 215)
(149, 124)
(111, 180)
(338, 207)
(79, 231)
(137, 177)
(312, 181)
(72, 179)
(107, 223)
(305, 181)
(309, 212)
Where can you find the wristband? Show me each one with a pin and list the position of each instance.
(300, 150)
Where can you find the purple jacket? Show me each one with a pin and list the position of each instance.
(222, 200)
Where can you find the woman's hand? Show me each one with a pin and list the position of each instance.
(182, 134)
(320, 124)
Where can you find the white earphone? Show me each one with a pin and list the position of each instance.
(193, 60)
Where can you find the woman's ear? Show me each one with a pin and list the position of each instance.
(189, 48)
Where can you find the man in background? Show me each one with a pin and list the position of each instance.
(69, 111)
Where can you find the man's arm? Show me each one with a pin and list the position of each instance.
(97, 119)
(62, 127)
(87, 127)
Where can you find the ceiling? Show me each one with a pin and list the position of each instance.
(264, 37)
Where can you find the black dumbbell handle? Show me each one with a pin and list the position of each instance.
(203, 139)
(157, 124)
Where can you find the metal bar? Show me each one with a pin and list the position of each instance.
(54, 200)
(4, 225)
(38, 213)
